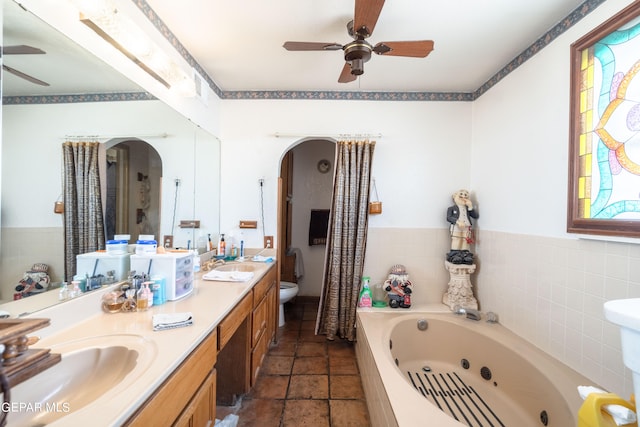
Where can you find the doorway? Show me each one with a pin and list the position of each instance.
(134, 174)
(306, 172)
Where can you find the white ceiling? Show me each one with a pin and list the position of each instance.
(239, 44)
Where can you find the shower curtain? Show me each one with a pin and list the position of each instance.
(83, 218)
(346, 240)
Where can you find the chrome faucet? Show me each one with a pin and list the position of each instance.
(470, 313)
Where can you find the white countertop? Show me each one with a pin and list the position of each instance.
(83, 319)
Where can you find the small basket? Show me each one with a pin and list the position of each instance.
(375, 207)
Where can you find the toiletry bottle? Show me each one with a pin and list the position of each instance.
(221, 246)
(145, 297)
(242, 249)
(75, 289)
(63, 293)
(365, 294)
(159, 295)
(209, 243)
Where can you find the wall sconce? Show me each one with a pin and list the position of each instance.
(103, 17)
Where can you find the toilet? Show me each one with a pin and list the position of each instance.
(288, 290)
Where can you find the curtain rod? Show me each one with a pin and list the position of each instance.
(157, 135)
(335, 136)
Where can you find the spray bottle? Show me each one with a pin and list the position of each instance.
(364, 300)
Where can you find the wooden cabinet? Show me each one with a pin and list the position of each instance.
(202, 407)
(263, 326)
(187, 397)
(248, 331)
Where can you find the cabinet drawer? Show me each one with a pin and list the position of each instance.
(257, 355)
(228, 326)
(263, 285)
(259, 321)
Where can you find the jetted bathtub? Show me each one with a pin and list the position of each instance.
(454, 371)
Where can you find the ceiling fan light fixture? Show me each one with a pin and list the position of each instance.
(357, 67)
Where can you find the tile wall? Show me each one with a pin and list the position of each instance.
(550, 291)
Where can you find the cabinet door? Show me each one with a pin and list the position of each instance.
(201, 411)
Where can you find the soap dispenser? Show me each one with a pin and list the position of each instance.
(145, 297)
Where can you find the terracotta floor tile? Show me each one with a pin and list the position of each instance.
(341, 349)
(343, 366)
(283, 348)
(310, 314)
(308, 325)
(303, 413)
(349, 413)
(308, 387)
(277, 365)
(289, 335)
(311, 349)
(270, 387)
(310, 365)
(310, 336)
(260, 413)
(345, 387)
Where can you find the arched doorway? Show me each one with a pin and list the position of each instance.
(306, 171)
(133, 176)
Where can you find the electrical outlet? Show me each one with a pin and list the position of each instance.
(177, 181)
(167, 241)
(268, 241)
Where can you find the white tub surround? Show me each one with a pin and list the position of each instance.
(209, 304)
(393, 401)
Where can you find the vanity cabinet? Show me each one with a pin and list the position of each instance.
(187, 397)
(244, 339)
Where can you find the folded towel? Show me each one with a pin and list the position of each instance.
(260, 258)
(171, 320)
(228, 276)
(619, 413)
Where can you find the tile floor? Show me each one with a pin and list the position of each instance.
(305, 380)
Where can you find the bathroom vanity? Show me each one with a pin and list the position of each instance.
(177, 375)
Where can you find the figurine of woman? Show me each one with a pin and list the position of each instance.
(398, 287)
(459, 216)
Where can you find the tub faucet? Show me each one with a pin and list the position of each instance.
(470, 313)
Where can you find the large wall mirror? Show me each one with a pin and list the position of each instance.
(86, 99)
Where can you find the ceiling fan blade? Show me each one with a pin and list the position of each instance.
(366, 16)
(24, 76)
(345, 75)
(21, 50)
(304, 46)
(416, 49)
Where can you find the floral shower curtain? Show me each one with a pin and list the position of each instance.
(83, 218)
(346, 240)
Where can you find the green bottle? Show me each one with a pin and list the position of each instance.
(364, 300)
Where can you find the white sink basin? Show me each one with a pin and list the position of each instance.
(89, 369)
(237, 267)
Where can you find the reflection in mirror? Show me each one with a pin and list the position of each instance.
(133, 179)
(36, 120)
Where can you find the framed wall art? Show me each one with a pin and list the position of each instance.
(604, 146)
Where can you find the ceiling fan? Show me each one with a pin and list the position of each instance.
(22, 50)
(357, 52)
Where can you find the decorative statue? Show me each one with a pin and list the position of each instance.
(398, 287)
(459, 216)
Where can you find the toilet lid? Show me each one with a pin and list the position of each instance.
(287, 285)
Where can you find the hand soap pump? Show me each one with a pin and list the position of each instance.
(145, 297)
